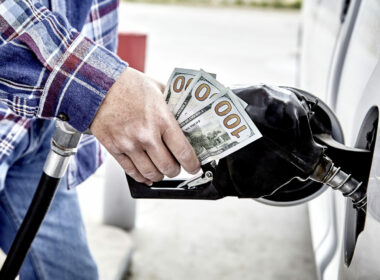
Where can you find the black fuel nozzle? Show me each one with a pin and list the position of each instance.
(298, 150)
(296, 144)
(287, 149)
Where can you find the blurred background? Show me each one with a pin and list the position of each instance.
(243, 42)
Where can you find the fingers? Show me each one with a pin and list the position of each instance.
(128, 166)
(145, 166)
(178, 144)
(147, 161)
(150, 165)
(139, 167)
(163, 160)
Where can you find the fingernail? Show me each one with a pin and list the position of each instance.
(149, 183)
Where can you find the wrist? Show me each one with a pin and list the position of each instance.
(79, 82)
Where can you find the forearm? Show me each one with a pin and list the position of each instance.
(48, 68)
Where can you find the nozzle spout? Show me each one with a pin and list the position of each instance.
(326, 172)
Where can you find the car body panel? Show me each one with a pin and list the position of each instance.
(342, 67)
(359, 91)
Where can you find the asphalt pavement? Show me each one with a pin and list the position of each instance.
(230, 238)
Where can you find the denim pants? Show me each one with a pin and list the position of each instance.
(60, 250)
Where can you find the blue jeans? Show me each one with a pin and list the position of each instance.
(60, 250)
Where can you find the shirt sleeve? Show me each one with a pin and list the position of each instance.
(48, 69)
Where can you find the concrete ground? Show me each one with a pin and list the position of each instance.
(230, 238)
(224, 240)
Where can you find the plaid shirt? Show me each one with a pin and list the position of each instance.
(49, 69)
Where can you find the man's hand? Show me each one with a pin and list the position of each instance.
(135, 125)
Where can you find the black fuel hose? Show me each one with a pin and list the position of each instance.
(28, 230)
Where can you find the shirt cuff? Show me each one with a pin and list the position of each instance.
(79, 82)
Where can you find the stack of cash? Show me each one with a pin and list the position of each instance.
(211, 116)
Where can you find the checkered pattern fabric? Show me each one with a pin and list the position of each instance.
(56, 57)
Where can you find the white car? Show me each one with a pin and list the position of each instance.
(340, 63)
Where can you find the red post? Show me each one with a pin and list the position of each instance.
(132, 49)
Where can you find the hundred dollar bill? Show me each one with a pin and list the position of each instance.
(178, 82)
(219, 129)
(203, 89)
